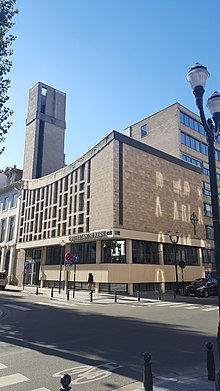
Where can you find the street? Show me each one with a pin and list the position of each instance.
(100, 344)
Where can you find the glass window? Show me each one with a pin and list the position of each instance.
(5, 203)
(11, 228)
(208, 256)
(144, 130)
(209, 232)
(145, 252)
(81, 219)
(14, 200)
(113, 251)
(207, 210)
(3, 228)
(81, 201)
(53, 256)
(82, 172)
(86, 252)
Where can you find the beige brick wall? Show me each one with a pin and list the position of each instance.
(160, 195)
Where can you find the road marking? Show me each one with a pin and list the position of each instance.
(2, 366)
(41, 389)
(87, 373)
(193, 307)
(210, 309)
(17, 307)
(12, 379)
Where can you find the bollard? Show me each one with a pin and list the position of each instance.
(91, 297)
(147, 373)
(139, 295)
(159, 294)
(210, 361)
(65, 381)
(174, 294)
(68, 294)
(51, 295)
(37, 290)
(115, 297)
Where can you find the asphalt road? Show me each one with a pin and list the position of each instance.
(100, 344)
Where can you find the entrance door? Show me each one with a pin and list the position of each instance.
(33, 273)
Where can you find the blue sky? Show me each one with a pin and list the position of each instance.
(118, 61)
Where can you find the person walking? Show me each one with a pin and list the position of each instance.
(90, 281)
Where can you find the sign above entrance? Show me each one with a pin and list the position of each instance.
(92, 235)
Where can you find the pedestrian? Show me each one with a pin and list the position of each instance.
(90, 281)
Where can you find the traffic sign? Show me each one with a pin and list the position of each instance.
(75, 259)
(69, 257)
(26, 264)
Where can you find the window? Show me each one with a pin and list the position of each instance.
(144, 130)
(82, 172)
(5, 203)
(208, 255)
(86, 252)
(113, 251)
(81, 219)
(191, 160)
(53, 256)
(11, 228)
(81, 201)
(14, 200)
(209, 232)
(207, 210)
(145, 252)
(3, 228)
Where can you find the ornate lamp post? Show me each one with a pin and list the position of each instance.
(197, 78)
(174, 238)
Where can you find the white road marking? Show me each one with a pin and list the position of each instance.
(12, 379)
(41, 389)
(193, 307)
(2, 366)
(17, 307)
(210, 309)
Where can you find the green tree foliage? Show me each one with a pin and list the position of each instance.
(7, 11)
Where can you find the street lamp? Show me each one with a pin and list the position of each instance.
(174, 238)
(62, 244)
(197, 77)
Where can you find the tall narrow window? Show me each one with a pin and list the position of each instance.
(3, 228)
(144, 130)
(11, 228)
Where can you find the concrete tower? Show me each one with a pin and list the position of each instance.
(45, 128)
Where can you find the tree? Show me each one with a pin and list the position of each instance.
(7, 11)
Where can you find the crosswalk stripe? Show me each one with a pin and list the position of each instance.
(210, 309)
(193, 307)
(3, 366)
(41, 389)
(9, 380)
(17, 307)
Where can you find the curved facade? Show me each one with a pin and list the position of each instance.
(112, 209)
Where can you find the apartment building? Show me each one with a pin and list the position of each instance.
(10, 188)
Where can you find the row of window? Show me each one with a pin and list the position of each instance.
(142, 253)
(198, 163)
(192, 123)
(197, 145)
(9, 202)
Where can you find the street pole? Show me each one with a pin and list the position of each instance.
(174, 238)
(74, 280)
(197, 78)
(62, 244)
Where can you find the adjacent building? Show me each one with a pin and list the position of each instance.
(10, 188)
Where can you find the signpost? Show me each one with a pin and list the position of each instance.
(67, 263)
(26, 266)
(75, 260)
(182, 266)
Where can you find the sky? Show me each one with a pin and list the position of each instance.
(118, 61)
